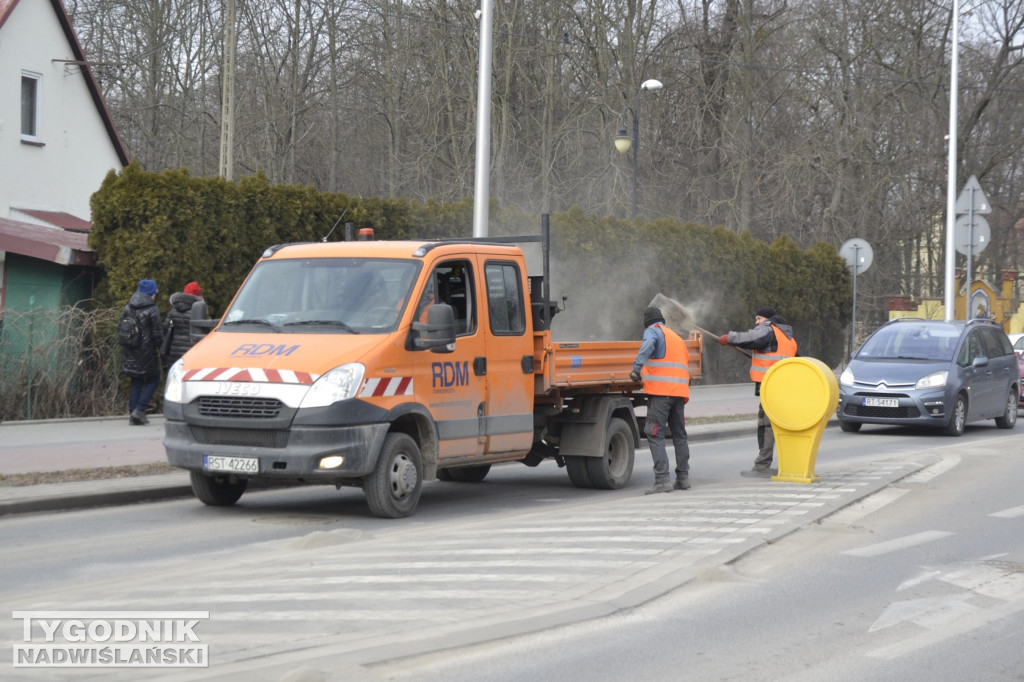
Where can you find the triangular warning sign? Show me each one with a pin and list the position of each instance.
(972, 199)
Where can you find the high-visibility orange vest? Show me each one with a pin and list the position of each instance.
(760, 362)
(669, 375)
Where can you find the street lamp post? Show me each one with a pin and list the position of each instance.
(623, 141)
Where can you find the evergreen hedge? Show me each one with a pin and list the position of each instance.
(174, 228)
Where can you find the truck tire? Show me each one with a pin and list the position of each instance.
(469, 474)
(578, 473)
(217, 491)
(612, 470)
(393, 489)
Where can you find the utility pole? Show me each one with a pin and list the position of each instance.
(227, 112)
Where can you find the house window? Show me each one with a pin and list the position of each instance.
(29, 107)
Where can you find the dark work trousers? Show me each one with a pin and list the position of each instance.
(765, 439)
(661, 411)
(141, 392)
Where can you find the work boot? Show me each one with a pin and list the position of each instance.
(664, 487)
(682, 484)
(757, 473)
(139, 417)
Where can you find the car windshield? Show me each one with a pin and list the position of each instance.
(323, 295)
(910, 341)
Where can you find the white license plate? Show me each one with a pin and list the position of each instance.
(242, 465)
(881, 402)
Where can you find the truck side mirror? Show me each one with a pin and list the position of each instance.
(438, 332)
(199, 321)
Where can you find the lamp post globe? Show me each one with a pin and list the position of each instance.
(623, 141)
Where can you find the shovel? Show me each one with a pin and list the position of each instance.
(680, 320)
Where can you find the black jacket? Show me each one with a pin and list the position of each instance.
(144, 361)
(177, 325)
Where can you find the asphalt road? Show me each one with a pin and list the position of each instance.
(305, 581)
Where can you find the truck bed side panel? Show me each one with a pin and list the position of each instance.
(595, 363)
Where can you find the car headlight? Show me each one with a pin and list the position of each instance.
(846, 378)
(341, 383)
(933, 380)
(174, 383)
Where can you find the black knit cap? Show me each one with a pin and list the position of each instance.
(766, 311)
(652, 315)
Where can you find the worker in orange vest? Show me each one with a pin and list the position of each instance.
(663, 365)
(769, 341)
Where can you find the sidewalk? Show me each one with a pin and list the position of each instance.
(62, 445)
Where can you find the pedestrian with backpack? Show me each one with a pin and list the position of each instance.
(177, 327)
(140, 335)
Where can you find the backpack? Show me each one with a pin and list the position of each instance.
(129, 334)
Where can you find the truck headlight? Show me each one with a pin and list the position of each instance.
(173, 385)
(341, 383)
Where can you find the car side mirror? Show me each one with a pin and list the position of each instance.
(979, 362)
(199, 321)
(438, 332)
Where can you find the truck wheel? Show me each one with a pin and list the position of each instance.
(612, 471)
(469, 474)
(217, 491)
(393, 489)
(577, 468)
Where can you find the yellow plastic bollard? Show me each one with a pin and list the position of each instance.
(799, 396)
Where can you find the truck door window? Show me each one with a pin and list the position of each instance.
(505, 298)
(451, 282)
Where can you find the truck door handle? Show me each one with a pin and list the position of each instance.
(527, 364)
(480, 366)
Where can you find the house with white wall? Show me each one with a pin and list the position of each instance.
(57, 143)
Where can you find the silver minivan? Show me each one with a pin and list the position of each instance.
(917, 372)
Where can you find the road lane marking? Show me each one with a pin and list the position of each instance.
(897, 544)
(858, 510)
(935, 470)
(1010, 513)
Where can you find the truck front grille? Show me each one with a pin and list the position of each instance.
(234, 406)
(248, 438)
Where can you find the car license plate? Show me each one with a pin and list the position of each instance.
(242, 465)
(881, 402)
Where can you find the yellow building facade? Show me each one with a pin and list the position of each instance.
(984, 302)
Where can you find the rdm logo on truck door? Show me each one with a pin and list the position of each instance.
(450, 375)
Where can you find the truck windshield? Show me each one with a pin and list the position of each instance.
(323, 295)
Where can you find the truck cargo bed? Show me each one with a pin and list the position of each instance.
(602, 365)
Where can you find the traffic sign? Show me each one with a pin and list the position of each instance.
(972, 199)
(971, 234)
(857, 253)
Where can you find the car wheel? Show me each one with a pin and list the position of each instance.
(217, 491)
(393, 489)
(958, 418)
(849, 427)
(1009, 418)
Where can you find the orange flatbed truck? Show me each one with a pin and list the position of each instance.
(384, 364)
